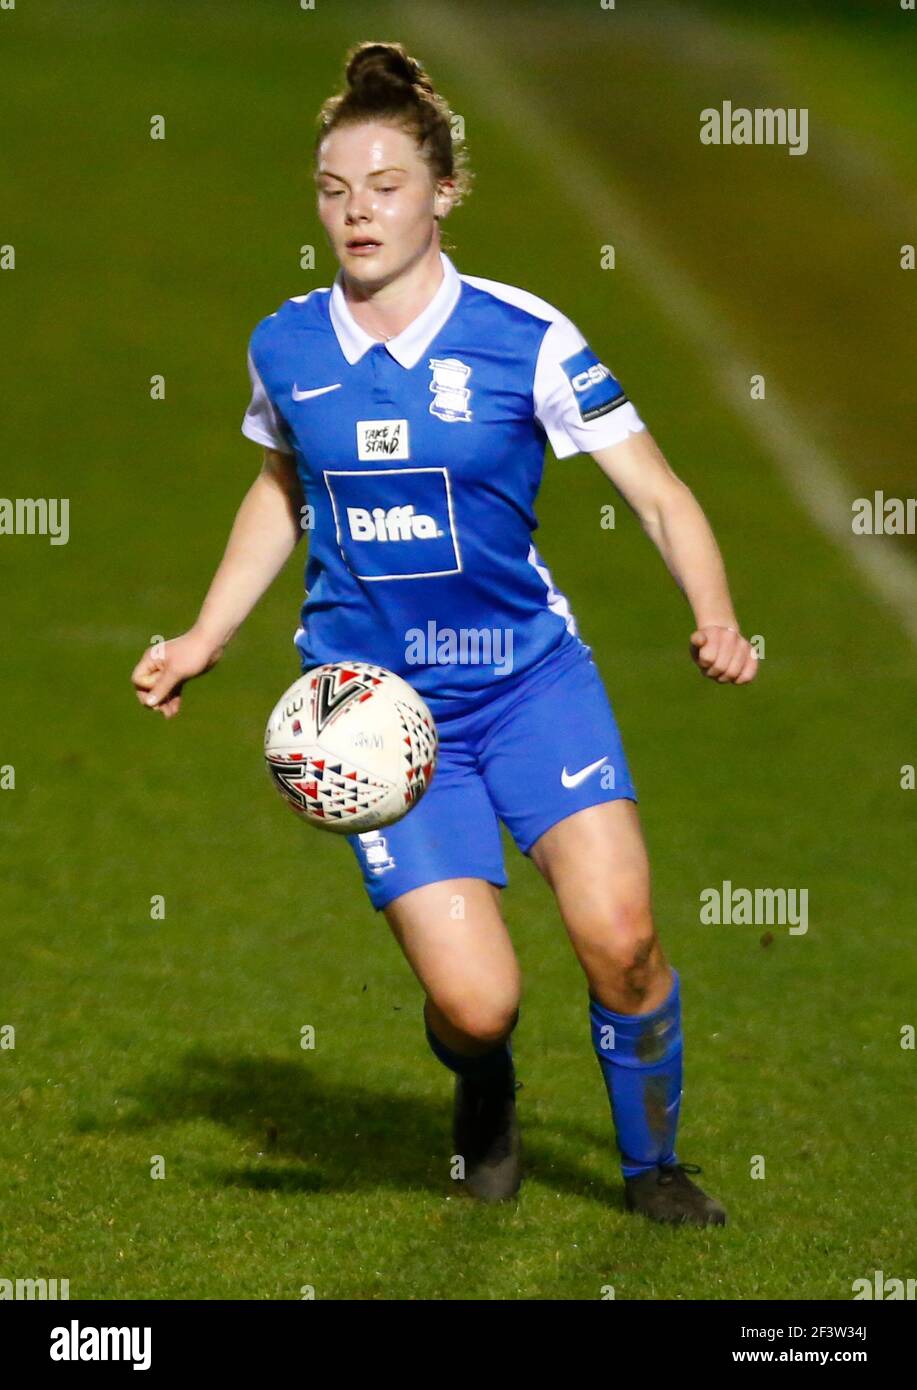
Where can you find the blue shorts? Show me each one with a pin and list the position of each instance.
(530, 757)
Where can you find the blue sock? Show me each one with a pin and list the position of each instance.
(640, 1056)
(490, 1070)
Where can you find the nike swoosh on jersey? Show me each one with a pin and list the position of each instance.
(573, 779)
(318, 391)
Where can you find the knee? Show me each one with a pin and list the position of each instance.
(632, 970)
(488, 1020)
(624, 951)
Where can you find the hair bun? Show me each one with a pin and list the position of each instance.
(377, 66)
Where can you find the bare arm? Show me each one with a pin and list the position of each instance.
(264, 535)
(673, 519)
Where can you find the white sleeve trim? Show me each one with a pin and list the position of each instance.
(555, 401)
(262, 422)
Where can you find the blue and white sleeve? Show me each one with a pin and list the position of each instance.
(578, 401)
(262, 421)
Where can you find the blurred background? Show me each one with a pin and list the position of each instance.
(690, 268)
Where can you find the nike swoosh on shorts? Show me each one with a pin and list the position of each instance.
(573, 779)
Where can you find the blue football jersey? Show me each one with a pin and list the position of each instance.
(420, 459)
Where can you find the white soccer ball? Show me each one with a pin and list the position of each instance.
(351, 747)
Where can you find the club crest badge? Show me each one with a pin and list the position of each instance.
(450, 393)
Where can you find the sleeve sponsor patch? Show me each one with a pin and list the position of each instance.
(595, 389)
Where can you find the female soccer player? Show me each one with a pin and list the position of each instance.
(404, 413)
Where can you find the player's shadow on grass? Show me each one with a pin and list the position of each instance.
(306, 1133)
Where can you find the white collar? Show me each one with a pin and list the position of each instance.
(407, 346)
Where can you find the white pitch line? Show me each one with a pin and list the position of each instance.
(812, 475)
